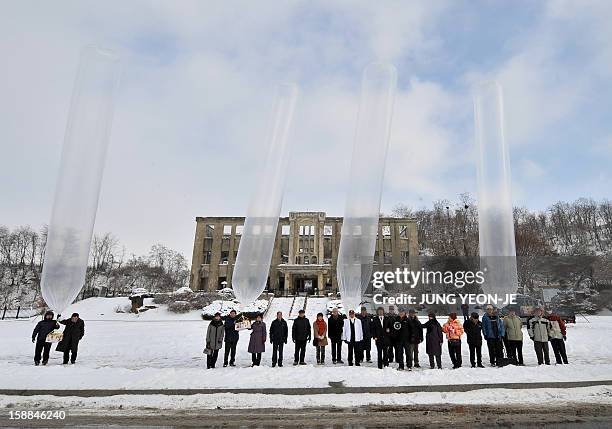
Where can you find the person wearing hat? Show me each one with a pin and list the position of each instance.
(39, 336)
(416, 337)
(433, 341)
(473, 330)
(257, 342)
(300, 334)
(352, 334)
(454, 331)
(73, 333)
(214, 340)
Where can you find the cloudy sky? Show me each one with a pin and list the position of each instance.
(197, 88)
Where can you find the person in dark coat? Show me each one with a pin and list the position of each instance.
(473, 330)
(403, 335)
(416, 337)
(494, 331)
(257, 342)
(231, 339)
(381, 328)
(214, 340)
(433, 341)
(300, 334)
(278, 337)
(465, 310)
(335, 323)
(366, 325)
(73, 333)
(392, 315)
(39, 336)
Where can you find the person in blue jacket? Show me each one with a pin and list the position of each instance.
(493, 330)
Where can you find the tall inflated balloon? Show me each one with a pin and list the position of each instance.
(259, 233)
(495, 220)
(80, 176)
(362, 209)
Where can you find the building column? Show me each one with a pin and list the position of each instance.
(288, 284)
(321, 282)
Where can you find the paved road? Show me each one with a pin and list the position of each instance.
(333, 389)
(583, 416)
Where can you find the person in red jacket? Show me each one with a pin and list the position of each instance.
(557, 334)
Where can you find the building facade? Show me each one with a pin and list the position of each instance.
(305, 251)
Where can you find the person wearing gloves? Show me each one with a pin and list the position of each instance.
(39, 336)
(278, 337)
(257, 342)
(214, 340)
(514, 332)
(433, 341)
(538, 329)
(558, 338)
(73, 333)
(319, 332)
(493, 331)
(300, 334)
(352, 334)
(453, 330)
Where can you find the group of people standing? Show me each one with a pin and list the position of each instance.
(397, 338)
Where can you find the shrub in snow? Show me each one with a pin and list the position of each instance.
(179, 307)
(183, 290)
(335, 303)
(139, 291)
(162, 298)
(226, 293)
(224, 307)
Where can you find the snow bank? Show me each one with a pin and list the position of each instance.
(140, 403)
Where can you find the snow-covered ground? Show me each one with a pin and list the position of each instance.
(158, 349)
(159, 403)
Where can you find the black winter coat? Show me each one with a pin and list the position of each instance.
(473, 331)
(404, 333)
(73, 332)
(416, 330)
(334, 327)
(301, 330)
(43, 328)
(279, 331)
(433, 337)
(382, 333)
(231, 334)
(366, 326)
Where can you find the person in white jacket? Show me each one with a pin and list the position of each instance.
(352, 334)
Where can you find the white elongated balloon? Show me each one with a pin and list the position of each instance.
(80, 176)
(362, 209)
(495, 219)
(259, 233)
